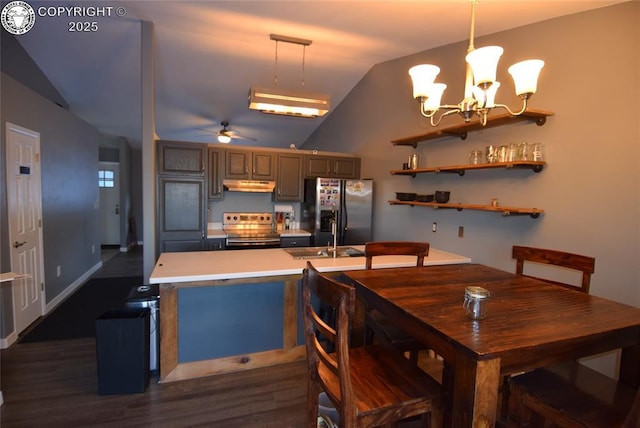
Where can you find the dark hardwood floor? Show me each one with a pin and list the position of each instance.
(55, 384)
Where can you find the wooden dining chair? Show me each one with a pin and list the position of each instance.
(526, 400)
(377, 324)
(370, 385)
(576, 262)
(572, 395)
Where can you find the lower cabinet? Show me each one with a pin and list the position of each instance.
(298, 241)
(215, 244)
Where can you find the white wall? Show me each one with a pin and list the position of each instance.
(590, 190)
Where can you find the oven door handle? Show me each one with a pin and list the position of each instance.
(245, 242)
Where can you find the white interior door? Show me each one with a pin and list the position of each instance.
(109, 183)
(25, 225)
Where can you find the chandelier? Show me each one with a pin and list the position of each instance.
(480, 84)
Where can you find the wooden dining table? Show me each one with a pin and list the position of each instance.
(529, 324)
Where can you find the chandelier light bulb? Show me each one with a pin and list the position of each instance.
(422, 77)
(525, 76)
(434, 97)
(224, 139)
(484, 63)
(491, 95)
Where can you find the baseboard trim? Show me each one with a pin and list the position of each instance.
(71, 288)
(13, 336)
(9, 340)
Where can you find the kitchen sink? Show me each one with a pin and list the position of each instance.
(308, 253)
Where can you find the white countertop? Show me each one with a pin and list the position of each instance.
(11, 276)
(234, 264)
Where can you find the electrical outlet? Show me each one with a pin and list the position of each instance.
(434, 227)
(460, 231)
(58, 270)
(93, 249)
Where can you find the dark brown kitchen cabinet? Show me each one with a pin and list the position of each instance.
(182, 216)
(297, 241)
(216, 166)
(289, 183)
(175, 157)
(332, 166)
(216, 244)
(250, 165)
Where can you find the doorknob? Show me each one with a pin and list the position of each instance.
(18, 244)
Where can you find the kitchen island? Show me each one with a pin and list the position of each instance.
(223, 311)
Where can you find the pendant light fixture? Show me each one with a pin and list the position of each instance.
(480, 85)
(297, 103)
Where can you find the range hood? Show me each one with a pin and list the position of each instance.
(255, 186)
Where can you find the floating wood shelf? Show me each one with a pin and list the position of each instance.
(461, 130)
(505, 211)
(535, 166)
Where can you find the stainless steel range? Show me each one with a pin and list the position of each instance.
(250, 230)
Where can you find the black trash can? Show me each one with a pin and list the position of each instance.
(148, 296)
(122, 349)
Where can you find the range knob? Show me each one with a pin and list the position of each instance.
(235, 217)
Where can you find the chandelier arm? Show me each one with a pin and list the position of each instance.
(447, 113)
(454, 108)
(506, 107)
(425, 113)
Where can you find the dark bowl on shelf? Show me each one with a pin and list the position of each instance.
(405, 196)
(442, 197)
(424, 198)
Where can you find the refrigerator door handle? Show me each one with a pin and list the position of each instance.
(344, 215)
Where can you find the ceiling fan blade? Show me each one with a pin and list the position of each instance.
(207, 130)
(240, 137)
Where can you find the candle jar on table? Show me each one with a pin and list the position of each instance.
(475, 302)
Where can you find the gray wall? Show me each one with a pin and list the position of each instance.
(590, 190)
(69, 164)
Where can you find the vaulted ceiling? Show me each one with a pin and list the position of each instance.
(208, 54)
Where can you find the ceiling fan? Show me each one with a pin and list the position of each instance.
(225, 135)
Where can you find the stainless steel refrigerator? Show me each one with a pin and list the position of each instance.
(349, 202)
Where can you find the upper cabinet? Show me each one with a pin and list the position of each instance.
(289, 182)
(181, 158)
(250, 165)
(216, 166)
(332, 166)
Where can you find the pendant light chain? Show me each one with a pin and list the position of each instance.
(304, 49)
